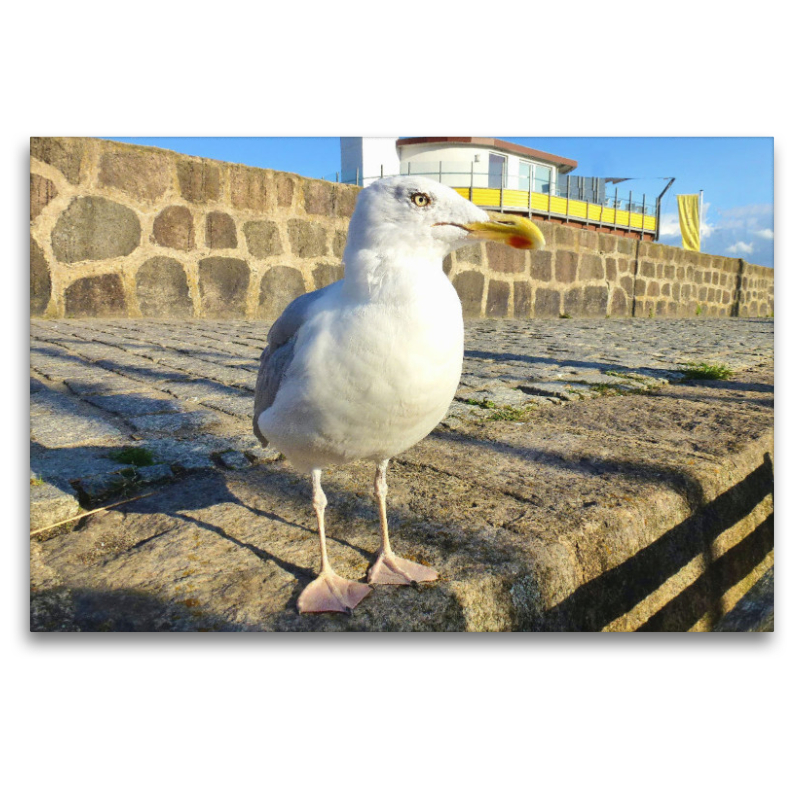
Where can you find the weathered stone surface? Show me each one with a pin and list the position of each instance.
(174, 227)
(470, 254)
(339, 243)
(548, 303)
(502, 258)
(319, 197)
(220, 231)
(223, 286)
(144, 175)
(96, 296)
(65, 154)
(591, 267)
(251, 188)
(611, 270)
(469, 286)
(497, 298)
(307, 239)
(93, 228)
(42, 192)
(263, 238)
(51, 502)
(541, 268)
(595, 301)
(279, 286)
(573, 301)
(522, 300)
(162, 289)
(40, 279)
(325, 274)
(566, 266)
(620, 306)
(345, 200)
(285, 188)
(199, 181)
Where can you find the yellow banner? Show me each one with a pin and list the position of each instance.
(689, 215)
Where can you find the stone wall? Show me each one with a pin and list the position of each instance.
(582, 273)
(122, 230)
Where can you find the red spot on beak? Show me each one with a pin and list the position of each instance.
(520, 242)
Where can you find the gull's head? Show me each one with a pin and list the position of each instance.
(417, 216)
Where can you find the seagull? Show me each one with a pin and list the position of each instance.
(366, 367)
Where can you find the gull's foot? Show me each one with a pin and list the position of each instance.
(390, 568)
(330, 592)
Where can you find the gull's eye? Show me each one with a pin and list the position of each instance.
(420, 199)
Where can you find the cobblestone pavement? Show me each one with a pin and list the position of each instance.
(181, 393)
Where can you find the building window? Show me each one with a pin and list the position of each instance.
(497, 168)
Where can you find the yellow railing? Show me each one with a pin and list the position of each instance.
(516, 200)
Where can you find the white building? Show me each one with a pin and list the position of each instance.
(453, 160)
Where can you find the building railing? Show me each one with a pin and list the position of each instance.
(526, 193)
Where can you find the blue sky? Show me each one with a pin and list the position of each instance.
(735, 174)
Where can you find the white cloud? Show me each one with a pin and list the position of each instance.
(767, 233)
(740, 248)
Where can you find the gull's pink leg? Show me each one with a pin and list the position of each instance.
(329, 591)
(389, 568)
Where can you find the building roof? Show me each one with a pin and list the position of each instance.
(564, 164)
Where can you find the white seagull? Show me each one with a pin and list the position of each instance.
(367, 366)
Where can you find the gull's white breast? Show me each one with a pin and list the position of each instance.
(368, 379)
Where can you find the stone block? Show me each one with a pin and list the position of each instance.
(588, 239)
(595, 301)
(263, 238)
(591, 267)
(542, 266)
(339, 243)
(279, 286)
(626, 282)
(174, 227)
(666, 289)
(471, 254)
(653, 289)
(611, 270)
(573, 302)
(174, 423)
(143, 175)
(199, 181)
(447, 264)
(325, 274)
(319, 197)
(565, 236)
(307, 239)
(41, 284)
(42, 192)
(220, 231)
(620, 307)
(647, 269)
(163, 290)
(345, 198)
(93, 228)
(251, 188)
(522, 300)
(51, 502)
(285, 189)
(548, 304)
(669, 271)
(502, 258)
(469, 286)
(65, 154)
(223, 286)
(626, 246)
(497, 299)
(566, 266)
(96, 296)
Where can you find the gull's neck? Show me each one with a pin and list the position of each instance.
(392, 274)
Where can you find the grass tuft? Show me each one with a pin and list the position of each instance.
(701, 370)
(136, 456)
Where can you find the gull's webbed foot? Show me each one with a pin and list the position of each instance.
(389, 568)
(331, 592)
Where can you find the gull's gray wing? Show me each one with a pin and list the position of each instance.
(277, 355)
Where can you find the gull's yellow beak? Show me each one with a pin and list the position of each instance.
(509, 229)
